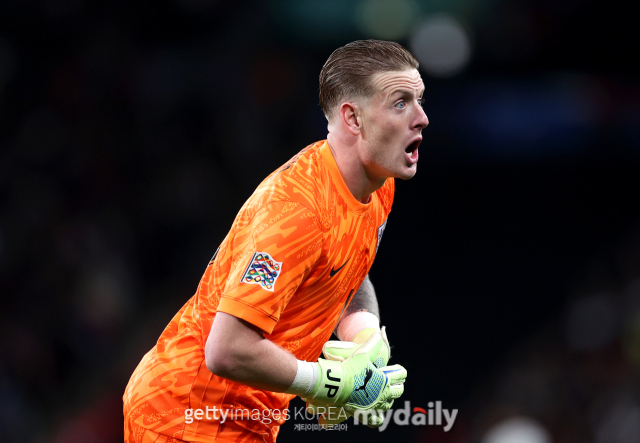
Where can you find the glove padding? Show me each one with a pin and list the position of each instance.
(349, 382)
(337, 350)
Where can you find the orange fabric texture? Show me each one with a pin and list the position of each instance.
(297, 251)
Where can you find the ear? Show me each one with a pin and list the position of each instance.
(350, 114)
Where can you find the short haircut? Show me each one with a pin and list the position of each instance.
(348, 70)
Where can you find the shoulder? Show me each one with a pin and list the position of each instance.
(297, 183)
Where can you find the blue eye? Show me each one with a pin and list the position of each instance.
(421, 101)
(400, 105)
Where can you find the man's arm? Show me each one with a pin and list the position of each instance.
(362, 317)
(364, 300)
(238, 351)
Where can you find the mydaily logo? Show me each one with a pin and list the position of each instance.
(432, 416)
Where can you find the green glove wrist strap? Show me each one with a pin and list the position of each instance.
(332, 383)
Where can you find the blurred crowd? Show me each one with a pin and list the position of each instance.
(118, 158)
(130, 134)
(577, 379)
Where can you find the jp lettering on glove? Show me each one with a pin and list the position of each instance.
(355, 383)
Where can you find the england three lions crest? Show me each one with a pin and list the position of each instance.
(263, 270)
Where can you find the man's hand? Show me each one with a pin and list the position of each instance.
(356, 384)
(340, 351)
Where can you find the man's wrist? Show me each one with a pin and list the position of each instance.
(306, 379)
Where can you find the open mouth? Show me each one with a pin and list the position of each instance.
(412, 150)
(413, 147)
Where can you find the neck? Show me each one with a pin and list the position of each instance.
(345, 151)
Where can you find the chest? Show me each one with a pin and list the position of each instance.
(348, 251)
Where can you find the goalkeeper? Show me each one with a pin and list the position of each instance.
(293, 269)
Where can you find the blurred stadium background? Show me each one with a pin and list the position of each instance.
(509, 276)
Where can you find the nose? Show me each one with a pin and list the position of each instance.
(422, 121)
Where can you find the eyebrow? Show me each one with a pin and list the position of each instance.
(406, 92)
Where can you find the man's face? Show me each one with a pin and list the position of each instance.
(392, 123)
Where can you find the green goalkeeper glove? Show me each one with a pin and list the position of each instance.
(357, 385)
(340, 351)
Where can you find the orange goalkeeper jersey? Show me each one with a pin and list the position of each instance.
(297, 251)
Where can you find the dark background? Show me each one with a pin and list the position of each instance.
(508, 277)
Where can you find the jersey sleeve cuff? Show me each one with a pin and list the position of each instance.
(248, 313)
